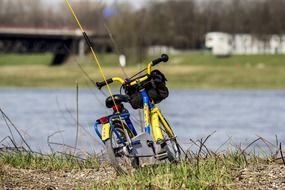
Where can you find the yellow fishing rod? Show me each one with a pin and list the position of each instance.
(96, 60)
(90, 46)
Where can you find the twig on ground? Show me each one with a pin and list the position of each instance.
(249, 145)
(12, 141)
(17, 130)
(48, 139)
(77, 119)
(223, 144)
(269, 145)
(64, 145)
(74, 119)
(8, 126)
(198, 146)
(281, 153)
(277, 150)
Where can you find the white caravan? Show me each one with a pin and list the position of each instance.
(220, 43)
(224, 44)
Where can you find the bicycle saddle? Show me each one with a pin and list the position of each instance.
(119, 98)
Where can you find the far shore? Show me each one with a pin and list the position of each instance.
(184, 70)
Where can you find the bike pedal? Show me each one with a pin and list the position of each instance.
(161, 156)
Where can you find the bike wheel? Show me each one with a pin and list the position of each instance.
(173, 150)
(171, 145)
(116, 151)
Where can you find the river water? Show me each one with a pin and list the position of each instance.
(233, 117)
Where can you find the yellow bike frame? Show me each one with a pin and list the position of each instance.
(157, 120)
(153, 118)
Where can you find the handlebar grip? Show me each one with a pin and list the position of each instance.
(163, 58)
(103, 83)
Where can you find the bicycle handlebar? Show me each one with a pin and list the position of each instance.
(103, 83)
(163, 58)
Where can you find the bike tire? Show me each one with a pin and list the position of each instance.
(120, 162)
(172, 147)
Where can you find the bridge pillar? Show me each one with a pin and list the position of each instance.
(81, 47)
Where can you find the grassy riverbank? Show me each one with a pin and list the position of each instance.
(227, 171)
(184, 70)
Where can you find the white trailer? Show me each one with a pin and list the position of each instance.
(220, 43)
(224, 44)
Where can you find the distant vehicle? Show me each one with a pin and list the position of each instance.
(224, 44)
(219, 42)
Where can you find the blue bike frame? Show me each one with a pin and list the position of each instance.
(148, 106)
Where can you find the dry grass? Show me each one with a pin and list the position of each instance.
(13, 178)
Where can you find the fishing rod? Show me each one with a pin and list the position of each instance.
(91, 48)
(97, 62)
(117, 50)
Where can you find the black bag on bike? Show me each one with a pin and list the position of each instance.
(155, 87)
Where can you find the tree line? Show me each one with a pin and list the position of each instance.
(177, 23)
(183, 23)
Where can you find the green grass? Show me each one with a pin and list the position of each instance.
(206, 58)
(27, 160)
(184, 70)
(209, 173)
(203, 70)
(230, 77)
(25, 59)
(202, 171)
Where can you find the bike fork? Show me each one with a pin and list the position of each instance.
(155, 124)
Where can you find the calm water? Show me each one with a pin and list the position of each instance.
(44, 115)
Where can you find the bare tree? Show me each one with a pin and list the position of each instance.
(178, 23)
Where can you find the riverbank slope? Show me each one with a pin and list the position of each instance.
(184, 70)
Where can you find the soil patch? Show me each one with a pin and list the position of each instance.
(261, 176)
(13, 178)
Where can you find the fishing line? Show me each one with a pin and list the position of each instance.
(81, 68)
(65, 110)
(115, 46)
(119, 52)
(96, 60)
(86, 75)
(137, 120)
(91, 48)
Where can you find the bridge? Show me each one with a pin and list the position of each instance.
(62, 42)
